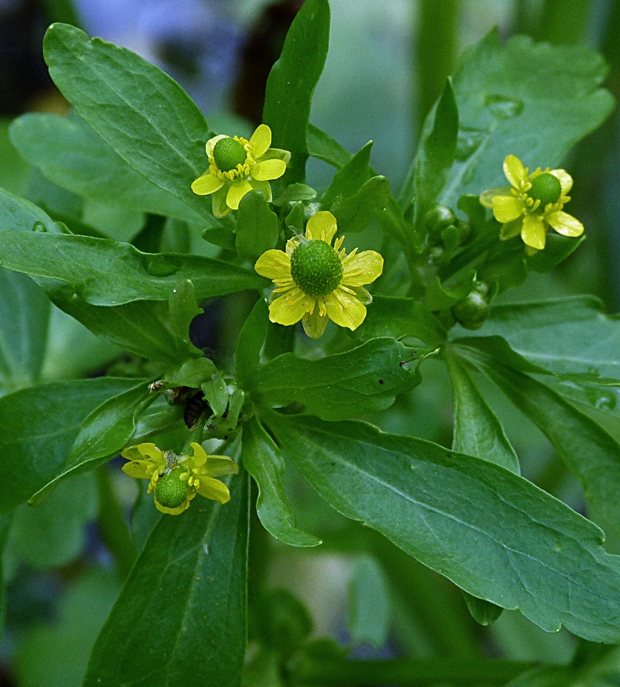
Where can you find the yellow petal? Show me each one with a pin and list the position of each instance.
(211, 143)
(511, 229)
(200, 456)
(172, 511)
(565, 224)
(565, 179)
(260, 141)
(132, 453)
(533, 232)
(345, 309)
(514, 171)
(277, 154)
(361, 268)
(321, 226)
(263, 187)
(207, 184)
(290, 307)
(507, 208)
(218, 203)
(274, 264)
(314, 323)
(151, 452)
(214, 489)
(486, 197)
(268, 169)
(137, 469)
(217, 466)
(291, 244)
(237, 190)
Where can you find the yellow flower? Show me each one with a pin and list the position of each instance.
(237, 166)
(532, 203)
(315, 282)
(177, 479)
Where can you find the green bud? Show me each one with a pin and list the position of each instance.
(316, 268)
(438, 218)
(170, 491)
(474, 309)
(546, 188)
(228, 153)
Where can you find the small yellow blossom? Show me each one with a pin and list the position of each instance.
(177, 479)
(316, 282)
(532, 203)
(238, 166)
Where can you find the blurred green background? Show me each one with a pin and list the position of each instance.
(387, 63)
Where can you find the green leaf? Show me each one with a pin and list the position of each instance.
(369, 603)
(544, 676)
(6, 520)
(216, 394)
(14, 172)
(183, 309)
(294, 193)
(557, 249)
(567, 336)
(440, 297)
(19, 214)
(220, 236)
(53, 534)
(72, 155)
(24, 321)
(350, 179)
(139, 111)
(104, 272)
(493, 533)
(323, 147)
(181, 617)
(292, 81)
(435, 156)
(477, 429)
(540, 98)
(588, 450)
(251, 340)
(192, 373)
(258, 227)
(363, 380)
(483, 612)
(262, 459)
(399, 317)
(38, 427)
(106, 430)
(355, 213)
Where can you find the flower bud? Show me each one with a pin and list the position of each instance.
(474, 309)
(438, 218)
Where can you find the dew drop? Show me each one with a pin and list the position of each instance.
(205, 548)
(39, 227)
(157, 266)
(469, 141)
(502, 107)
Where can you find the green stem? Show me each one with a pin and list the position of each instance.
(470, 254)
(564, 21)
(435, 51)
(406, 672)
(112, 525)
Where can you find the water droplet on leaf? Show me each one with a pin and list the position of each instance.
(157, 266)
(39, 227)
(468, 142)
(502, 107)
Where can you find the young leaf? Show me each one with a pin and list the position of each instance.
(38, 427)
(262, 459)
(104, 272)
(399, 317)
(19, 214)
(493, 533)
(369, 603)
(363, 380)
(258, 227)
(477, 429)
(139, 111)
(251, 339)
(483, 612)
(542, 98)
(292, 81)
(181, 616)
(435, 156)
(588, 450)
(72, 155)
(106, 430)
(323, 147)
(183, 309)
(24, 321)
(355, 213)
(350, 179)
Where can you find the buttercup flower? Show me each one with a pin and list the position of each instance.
(532, 203)
(236, 166)
(177, 479)
(316, 282)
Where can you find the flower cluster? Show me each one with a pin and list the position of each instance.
(237, 166)
(532, 203)
(316, 282)
(175, 480)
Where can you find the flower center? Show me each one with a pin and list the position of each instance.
(170, 491)
(546, 188)
(228, 153)
(316, 268)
